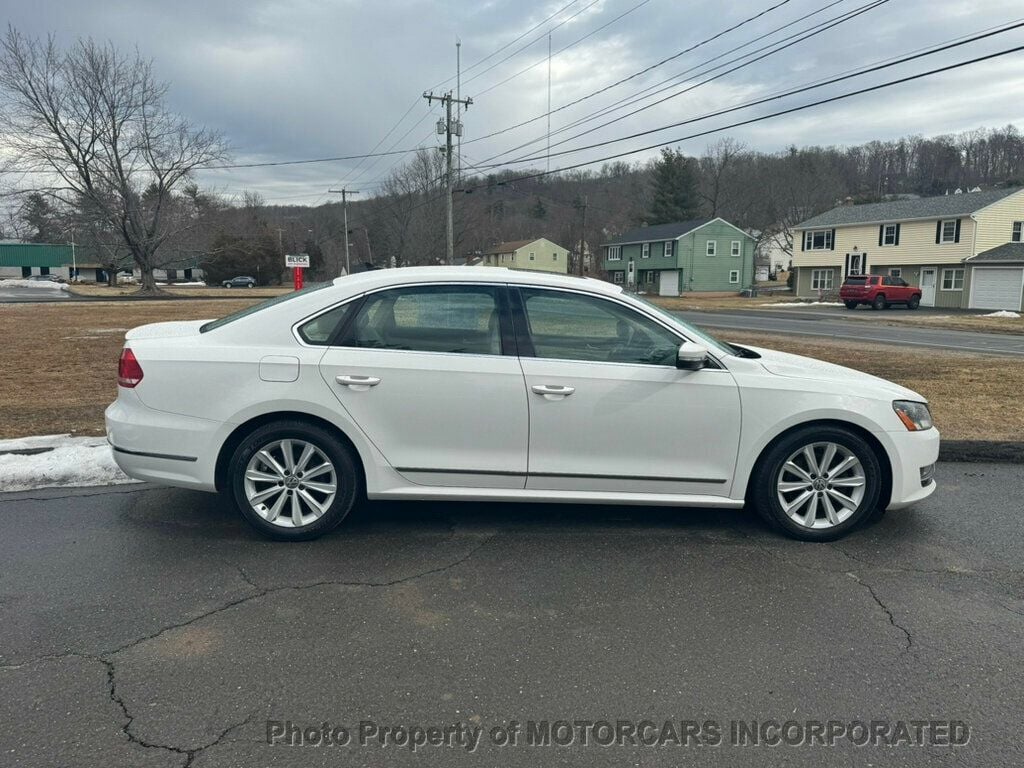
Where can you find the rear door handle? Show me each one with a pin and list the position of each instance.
(552, 391)
(358, 383)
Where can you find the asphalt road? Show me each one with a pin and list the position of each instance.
(147, 626)
(832, 324)
(26, 294)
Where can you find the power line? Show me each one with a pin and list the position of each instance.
(651, 67)
(776, 47)
(752, 120)
(567, 47)
(793, 92)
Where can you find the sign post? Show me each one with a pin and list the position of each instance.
(297, 262)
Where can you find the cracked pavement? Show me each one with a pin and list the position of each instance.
(148, 626)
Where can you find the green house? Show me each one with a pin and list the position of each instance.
(669, 259)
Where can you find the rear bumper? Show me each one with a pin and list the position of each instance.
(909, 454)
(162, 447)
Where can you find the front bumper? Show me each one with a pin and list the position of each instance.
(909, 454)
(162, 447)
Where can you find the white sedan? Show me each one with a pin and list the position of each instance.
(493, 385)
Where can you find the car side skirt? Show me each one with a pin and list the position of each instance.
(420, 492)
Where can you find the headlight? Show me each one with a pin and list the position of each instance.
(915, 416)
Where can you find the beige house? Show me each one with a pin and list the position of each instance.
(541, 255)
(962, 249)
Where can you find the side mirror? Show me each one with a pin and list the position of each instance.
(691, 356)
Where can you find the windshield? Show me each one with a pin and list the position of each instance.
(258, 307)
(722, 347)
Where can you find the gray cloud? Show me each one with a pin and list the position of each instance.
(290, 80)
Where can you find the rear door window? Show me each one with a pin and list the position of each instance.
(457, 319)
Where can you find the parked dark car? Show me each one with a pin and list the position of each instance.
(879, 291)
(240, 282)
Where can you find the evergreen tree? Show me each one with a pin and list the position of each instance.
(674, 195)
(38, 215)
(537, 210)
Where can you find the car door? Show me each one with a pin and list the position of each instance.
(429, 374)
(609, 410)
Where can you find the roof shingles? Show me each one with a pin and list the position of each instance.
(902, 210)
(1007, 253)
(658, 232)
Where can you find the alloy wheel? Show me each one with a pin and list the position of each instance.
(290, 483)
(821, 485)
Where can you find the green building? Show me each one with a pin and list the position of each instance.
(669, 259)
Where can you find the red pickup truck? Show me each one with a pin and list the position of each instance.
(879, 291)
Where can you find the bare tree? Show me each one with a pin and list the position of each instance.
(96, 120)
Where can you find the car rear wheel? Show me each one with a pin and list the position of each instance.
(818, 484)
(293, 481)
(850, 304)
(914, 303)
(879, 302)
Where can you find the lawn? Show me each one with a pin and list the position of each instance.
(94, 290)
(58, 367)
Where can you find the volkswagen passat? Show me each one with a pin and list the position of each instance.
(493, 385)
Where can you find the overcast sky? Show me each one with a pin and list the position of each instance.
(295, 79)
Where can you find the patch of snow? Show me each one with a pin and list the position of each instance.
(1003, 313)
(807, 304)
(71, 461)
(184, 285)
(16, 283)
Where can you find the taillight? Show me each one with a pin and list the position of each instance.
(129, 372)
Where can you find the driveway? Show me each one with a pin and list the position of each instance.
(830, 324)
(147, 626)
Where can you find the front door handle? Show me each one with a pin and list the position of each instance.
(358, 383)
(552, 391)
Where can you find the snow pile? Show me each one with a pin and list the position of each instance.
(1003, 313)
(193, 284)
(13, 283)
(807, 304)
(67, 461)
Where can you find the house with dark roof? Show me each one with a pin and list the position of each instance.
(539, 254)
(964, 250)
(669, 259)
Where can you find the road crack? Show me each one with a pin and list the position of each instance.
(888, 612)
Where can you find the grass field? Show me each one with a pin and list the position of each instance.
(58, 365)
(93, 290)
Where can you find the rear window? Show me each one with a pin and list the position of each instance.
(214, 324)
(855, 281)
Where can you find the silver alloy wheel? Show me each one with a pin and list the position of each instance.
(820, 485)
(290, 483)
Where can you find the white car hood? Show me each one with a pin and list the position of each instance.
(174, 329)
(856, 382)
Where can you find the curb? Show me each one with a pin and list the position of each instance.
(1003, 452)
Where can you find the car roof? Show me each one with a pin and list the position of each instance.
(432, 274)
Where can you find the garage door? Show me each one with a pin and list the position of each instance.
(668, 283)
(997, 288)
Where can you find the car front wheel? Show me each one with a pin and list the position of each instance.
(818, 484)
(914, 303)
(293, 481)
(850, 304)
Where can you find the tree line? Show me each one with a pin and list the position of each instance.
(120, 170)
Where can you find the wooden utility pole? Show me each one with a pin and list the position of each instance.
(449, 128)
(583, 236)
(344, 207)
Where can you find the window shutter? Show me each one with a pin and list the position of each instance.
(833, 241)
(864, 256)
(803, 241)
(938, 231)
(881, 234)
(897, 235)
(846, 266)
(956, 236)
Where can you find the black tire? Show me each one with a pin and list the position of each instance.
(879, 302)
(914, 303)
(850, 304)
(349, 478)
(227, 285)
(763, 494)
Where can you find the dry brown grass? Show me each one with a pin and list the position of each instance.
(58, 362)
(93, 290)
(978, 323)
(972, 397)
(701, 302)
(58, 366)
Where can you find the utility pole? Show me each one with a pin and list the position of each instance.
(549, 102)
(458, 95)
(344, 206)
(449, 128)
(583, 236)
